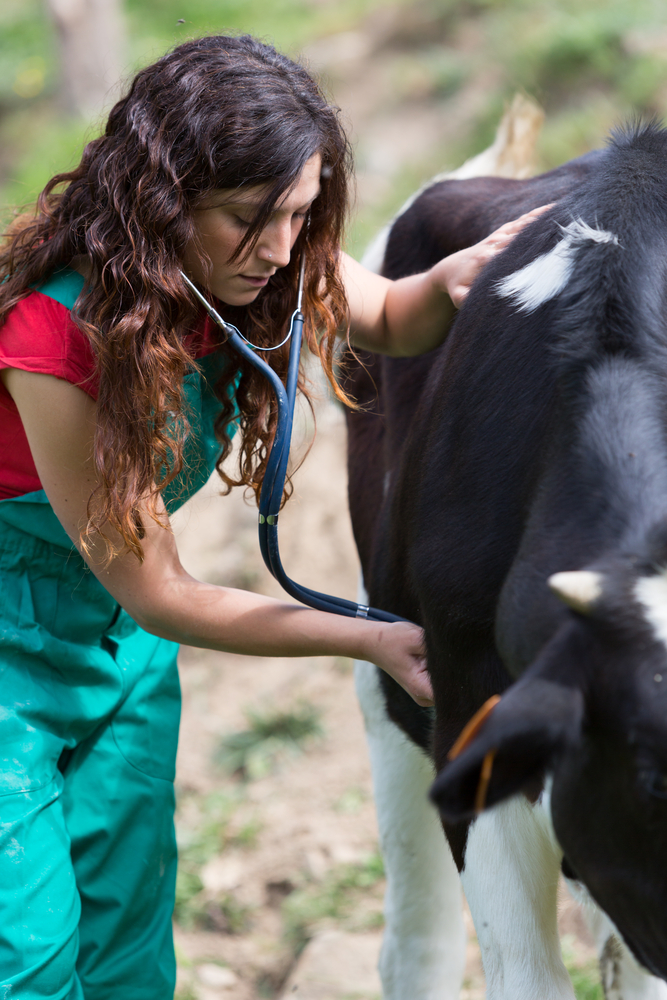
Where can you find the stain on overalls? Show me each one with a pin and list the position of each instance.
(89, 714)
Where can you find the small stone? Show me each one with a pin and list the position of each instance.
(222, 874)
(336, 965)
(218, 977)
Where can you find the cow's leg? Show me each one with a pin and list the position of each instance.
(510, 878)
(423, 950)
(622, 978)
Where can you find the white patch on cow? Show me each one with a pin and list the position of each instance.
(373, 257)
(423, 949)
(579, 589)
(546, 276)
(512, 865)
(423, 946)
(651, 594)
(580, 231)
(541, 280)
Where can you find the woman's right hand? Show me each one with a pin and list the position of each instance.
(399, 649)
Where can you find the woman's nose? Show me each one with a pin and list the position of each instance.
(275, 245)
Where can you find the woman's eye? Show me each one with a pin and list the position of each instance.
(241, 222)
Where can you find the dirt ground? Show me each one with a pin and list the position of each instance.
(285, 856)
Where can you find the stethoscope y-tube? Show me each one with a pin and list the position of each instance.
(271, 494)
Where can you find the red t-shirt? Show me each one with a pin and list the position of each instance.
(39, 335)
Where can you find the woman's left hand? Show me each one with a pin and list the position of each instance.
(458, 271)
(413, 315)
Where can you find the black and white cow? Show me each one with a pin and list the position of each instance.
(509, 492)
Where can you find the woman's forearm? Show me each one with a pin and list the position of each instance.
(418, 312)
(238, 621)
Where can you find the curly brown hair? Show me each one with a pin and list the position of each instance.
(216, 112)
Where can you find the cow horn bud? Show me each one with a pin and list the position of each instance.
(579, 589)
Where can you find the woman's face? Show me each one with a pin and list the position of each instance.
(221, 222)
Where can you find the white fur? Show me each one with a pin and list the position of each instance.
(510, 879)
(579, 231)
(373, 257)
(423, 948)
(651, 593)
(546, 276)
(540, 280)
(579, 588)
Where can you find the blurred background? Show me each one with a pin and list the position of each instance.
(280, 884)
(421, 82)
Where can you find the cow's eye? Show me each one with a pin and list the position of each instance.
(655, 782)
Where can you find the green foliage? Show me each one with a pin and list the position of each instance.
(586, 983)
(289, 24)
(559, 51)
(585, 977)
(351, 801)
(209, 830)
(591, 65)
(186, 992)
(270, 737)
(26, 43)
(188, 888)
(431, 72)
(334, 899)
(224, 914)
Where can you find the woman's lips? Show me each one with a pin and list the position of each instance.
(255, 282)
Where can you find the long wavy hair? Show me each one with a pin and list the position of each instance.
(216, 112)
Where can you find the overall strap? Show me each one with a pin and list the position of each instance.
(64, 285)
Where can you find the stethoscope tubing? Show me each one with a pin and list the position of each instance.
(273, 484)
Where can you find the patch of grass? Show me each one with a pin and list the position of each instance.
(246, 836)
(266, 988)
(195, 910)
(270, 737)
(351, 801)
(333, 900)
(188, 888)
(206, 831)
(585, 976)
(225, 915)
(186, 992)
(209, 830)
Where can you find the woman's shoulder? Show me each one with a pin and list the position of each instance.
(39, 334)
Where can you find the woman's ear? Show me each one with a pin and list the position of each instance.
(513, 748)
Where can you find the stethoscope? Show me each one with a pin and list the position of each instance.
(270, 497)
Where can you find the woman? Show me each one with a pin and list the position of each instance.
(118, 399)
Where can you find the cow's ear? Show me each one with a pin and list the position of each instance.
(511, 749)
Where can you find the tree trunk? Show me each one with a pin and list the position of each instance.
(91, 40)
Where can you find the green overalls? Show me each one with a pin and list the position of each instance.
(89, 714)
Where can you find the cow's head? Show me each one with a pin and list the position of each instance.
(591, 712)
